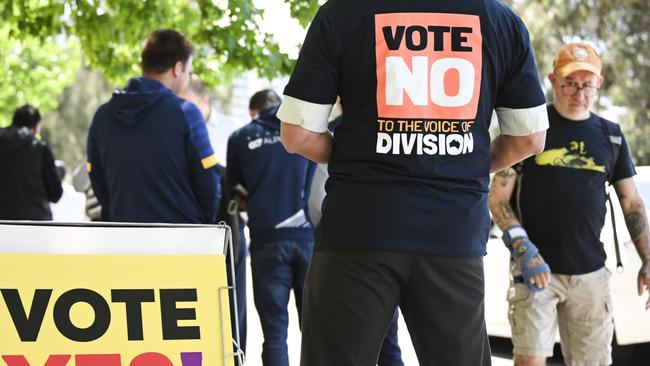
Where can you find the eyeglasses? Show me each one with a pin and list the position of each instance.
(571, 88)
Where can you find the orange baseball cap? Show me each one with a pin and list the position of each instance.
(576, 56)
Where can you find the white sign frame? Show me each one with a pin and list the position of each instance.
(30, 237)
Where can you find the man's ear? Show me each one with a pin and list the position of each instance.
(600, 80)
(178, 68)
(552, 78)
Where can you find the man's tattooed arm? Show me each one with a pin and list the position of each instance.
(505, 176)
(501, 190)
(636, 221)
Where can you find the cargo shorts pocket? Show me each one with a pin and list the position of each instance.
(592, 301)
(518, 302)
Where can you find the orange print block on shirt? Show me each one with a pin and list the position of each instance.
(428, 65)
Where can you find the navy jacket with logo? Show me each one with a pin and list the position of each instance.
(276, 182)
(150, 159)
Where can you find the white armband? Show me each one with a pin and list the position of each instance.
(310, 116)
(522, 122)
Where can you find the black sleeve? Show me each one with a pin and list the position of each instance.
(315, 77)
(51, 179)
(521, 87)
(624, 166)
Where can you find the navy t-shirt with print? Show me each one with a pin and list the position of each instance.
(562, 198)
(418, 82)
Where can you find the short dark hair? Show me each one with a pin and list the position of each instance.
(26, 116)
(163, 49)
(264, 99)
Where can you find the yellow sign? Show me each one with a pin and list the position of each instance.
(113, 310)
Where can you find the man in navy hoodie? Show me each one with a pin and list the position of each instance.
(274, 187)
(149, 156)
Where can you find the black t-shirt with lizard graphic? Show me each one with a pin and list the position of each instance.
(562, 198)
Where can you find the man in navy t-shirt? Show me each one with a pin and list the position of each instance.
(405, 220)
(560, 200)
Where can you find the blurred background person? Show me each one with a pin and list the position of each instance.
(149, 155)
(219, 125)
(29, 178)
(218, 132)
(274, 186)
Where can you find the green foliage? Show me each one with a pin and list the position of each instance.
(35, 71)
(110, 33)
(43, 41)
(303, 10)
(65, 129)
(235, 42)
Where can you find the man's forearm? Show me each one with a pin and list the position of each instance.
(506, 151)
(499, 198)
(504, 216)
(312, 145)
(636, 221)
(318, 148)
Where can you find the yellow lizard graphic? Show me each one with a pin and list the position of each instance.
(563, 158)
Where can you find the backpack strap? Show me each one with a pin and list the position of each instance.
(615, 143)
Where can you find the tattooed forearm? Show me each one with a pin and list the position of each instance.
(506, 211)
(636, 224)
(504, 217)
(501, 191)
(643, 248)
(505, 176)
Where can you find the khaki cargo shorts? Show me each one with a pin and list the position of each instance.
(579, 305)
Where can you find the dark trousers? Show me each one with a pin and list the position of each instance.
(351, 296)
(278, 268)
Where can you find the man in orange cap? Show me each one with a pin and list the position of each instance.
(560, 205)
